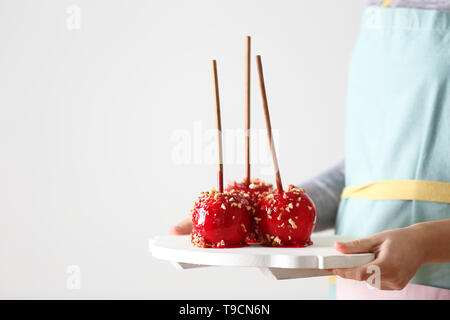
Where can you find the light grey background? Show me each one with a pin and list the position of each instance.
(89, 119)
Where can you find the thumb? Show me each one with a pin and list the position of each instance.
(356, 246)
(182, 227)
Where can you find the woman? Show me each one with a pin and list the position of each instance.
(393, 192)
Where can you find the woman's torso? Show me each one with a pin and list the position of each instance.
(443, 5)
(398, 121)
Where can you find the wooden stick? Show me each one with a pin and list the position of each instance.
(219, 128)
(268, 125)
(247, 108)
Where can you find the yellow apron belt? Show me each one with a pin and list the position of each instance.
(386, 3)
(421, 190)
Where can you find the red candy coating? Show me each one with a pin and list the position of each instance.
(255, 189)
(253, 192)
(221, 220)
(285, 219)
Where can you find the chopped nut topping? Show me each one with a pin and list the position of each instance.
(309, 208)
(290, 205)
(231, 199)
(294, 226)
(197, 241)
(223, 207)
(243, 227)
(276, 241)
(279, 217)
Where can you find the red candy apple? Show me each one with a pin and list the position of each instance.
(285, 219)
(253, 191)
(221, 220)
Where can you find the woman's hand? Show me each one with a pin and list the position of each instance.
(399, 253)
(182, 227)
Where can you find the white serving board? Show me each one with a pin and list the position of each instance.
(277, 263)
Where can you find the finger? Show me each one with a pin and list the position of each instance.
(360, 273)
(356, 246)
(357, 273)
(182, 227)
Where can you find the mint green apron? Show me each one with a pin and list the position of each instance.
(398, 122)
